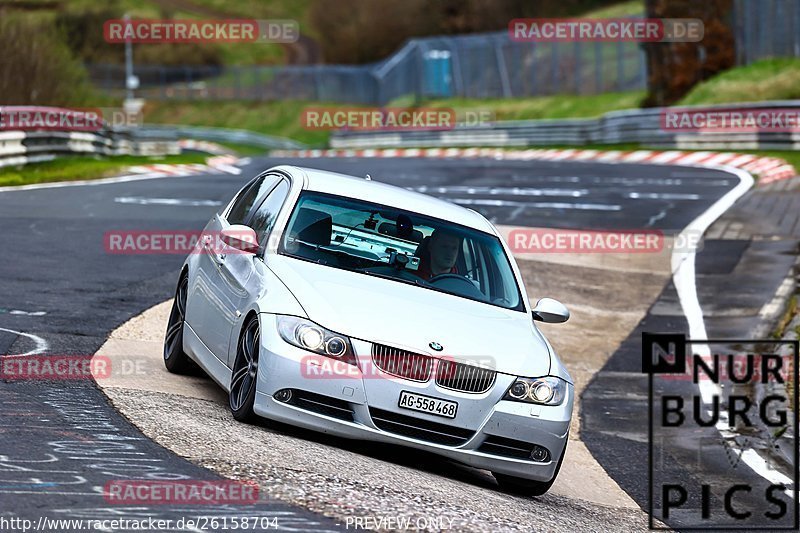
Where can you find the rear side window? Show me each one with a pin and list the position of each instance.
(243, 205)
(264, 217)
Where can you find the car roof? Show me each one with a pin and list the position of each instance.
(390, 195)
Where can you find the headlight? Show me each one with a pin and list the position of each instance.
(546, 391)
(314, 338)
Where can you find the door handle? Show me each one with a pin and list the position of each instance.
(218, 259)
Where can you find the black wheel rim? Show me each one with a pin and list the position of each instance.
(173, 342)
(245, 370)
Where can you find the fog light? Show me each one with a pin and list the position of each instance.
(540, 454)
(283, 395)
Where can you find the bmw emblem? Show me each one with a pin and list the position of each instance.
(436, 346)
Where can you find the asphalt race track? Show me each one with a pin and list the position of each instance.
(62, 441)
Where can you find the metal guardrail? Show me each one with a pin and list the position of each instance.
(268, 142)
(19, 147)
(22, 147)
(642, 126)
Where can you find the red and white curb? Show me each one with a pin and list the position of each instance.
(226, 163)
(203, 146)
(221, 163)
(769, 169)
(170, 170)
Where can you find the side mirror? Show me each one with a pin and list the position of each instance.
(550, 311)
(240, 237)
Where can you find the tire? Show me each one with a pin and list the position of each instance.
(528, 487)
(242, 393)
(175, 359)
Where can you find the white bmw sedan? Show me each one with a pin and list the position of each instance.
(367, 311)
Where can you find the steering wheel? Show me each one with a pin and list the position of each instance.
(392, 271)
(449, 275)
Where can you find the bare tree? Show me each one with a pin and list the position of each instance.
(36, 67)
(674, 68)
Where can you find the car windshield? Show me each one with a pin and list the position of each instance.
(402, 246)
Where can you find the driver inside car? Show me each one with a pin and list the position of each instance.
(439, 256)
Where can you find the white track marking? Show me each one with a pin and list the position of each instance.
(27, 313)
(229, 169)
(541, 205)
(683, 276)
(86, 183)
(514, 191)
(773, 308)
(661, 196)
(683, 261)
(166, 201)
(41, 344)
(655, 218)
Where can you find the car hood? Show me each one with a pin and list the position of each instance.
(411, 317)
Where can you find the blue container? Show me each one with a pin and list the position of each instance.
(438, 82)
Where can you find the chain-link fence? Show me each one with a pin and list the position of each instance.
(474, 66)
(487, 65)
(333, 83)
(766, 28)
(493, 66)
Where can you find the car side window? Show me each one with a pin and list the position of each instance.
(264, 217)
(243, 207)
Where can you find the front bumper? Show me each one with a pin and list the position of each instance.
(480, 416)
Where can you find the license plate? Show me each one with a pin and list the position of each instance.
(427, 404)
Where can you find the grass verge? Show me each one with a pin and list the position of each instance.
(539, 107)
(272, 118)
(284, 118)
(769, 79)
(631, 8)
(243, 149)
(786, 319)
(84, 168)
